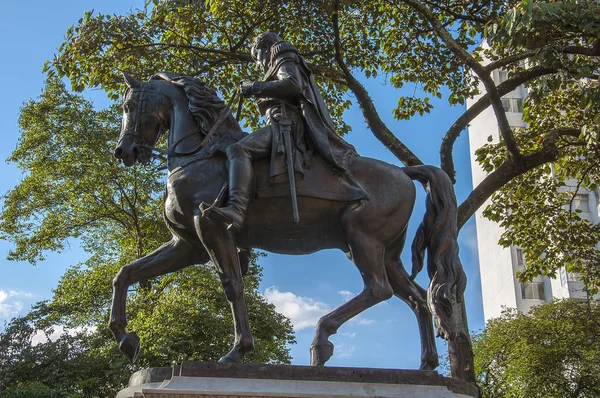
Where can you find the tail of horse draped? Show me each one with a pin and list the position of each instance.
(437, 234)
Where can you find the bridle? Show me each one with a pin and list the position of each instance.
(141, 109)
(170, 152)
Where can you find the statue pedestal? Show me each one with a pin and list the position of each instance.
(201, 379)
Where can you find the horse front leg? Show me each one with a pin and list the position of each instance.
(220, 244)
(172, 256)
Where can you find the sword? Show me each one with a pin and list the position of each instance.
(285, 126)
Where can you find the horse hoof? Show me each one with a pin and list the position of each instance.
(130, 346)
(229, 359)
(430, 363)
(320, 353)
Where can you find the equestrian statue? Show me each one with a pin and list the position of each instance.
(291, 187)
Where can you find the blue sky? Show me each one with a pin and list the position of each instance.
(303, 287)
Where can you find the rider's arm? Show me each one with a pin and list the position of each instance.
(287, 85)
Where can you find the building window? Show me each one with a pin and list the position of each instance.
(518, 105)
(514, 105)
(533, 291)
(520, 259)
(502, 76)
(581, 201)
(574, 277)
(563, 276)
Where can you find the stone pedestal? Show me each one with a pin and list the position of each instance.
(201, 379)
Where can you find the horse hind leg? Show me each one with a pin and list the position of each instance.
(416, 297)
(367, 254)
(172, 256)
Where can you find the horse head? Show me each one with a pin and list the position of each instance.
(144, 121)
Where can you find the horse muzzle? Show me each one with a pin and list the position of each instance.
(126, 153)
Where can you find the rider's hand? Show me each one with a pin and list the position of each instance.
(246, 88)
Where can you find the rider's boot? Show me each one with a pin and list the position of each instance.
(240, 182)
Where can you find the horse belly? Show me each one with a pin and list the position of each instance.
(270, 225)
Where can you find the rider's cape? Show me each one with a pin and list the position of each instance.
(319, 127)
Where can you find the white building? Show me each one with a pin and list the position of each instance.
(499, 265)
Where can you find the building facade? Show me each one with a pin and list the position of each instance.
(499, 265)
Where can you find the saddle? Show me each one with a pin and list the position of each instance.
(319, 181)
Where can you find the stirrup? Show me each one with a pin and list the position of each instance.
(226, 215)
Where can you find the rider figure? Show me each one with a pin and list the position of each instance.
(287, 96)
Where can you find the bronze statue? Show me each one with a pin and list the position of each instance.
(298, 124)
(359, 205)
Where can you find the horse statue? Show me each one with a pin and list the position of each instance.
(371, 232)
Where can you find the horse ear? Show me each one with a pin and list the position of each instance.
(131, 81)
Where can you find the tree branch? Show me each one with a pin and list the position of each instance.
(239, 56)
(323, 71)
(457, 16)
(480, 71)
(133, 214)
(589, 51)
(446, 158)
(510, 169)
(377, 126)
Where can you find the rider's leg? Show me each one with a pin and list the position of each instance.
(241, 154)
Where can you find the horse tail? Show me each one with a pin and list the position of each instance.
(438, 235)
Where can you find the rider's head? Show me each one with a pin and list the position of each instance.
(261, 48)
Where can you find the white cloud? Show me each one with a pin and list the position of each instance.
(468, 238)
(304, 312)
(9, 303)
(364, 321)
(346, 294)
(40, 337)
(347, 334)
(343, 352)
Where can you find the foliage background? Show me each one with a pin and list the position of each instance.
(552, 352)
(559, 40)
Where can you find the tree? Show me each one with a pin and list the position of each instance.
(554, 351)
(73, 188)
(71, 364)
(550, 47)
(185, 317)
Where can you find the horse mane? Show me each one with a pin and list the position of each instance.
(204, 104)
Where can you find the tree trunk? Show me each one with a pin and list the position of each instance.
(459, 345)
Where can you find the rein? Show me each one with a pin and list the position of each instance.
(223, 114)
(220, 119)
